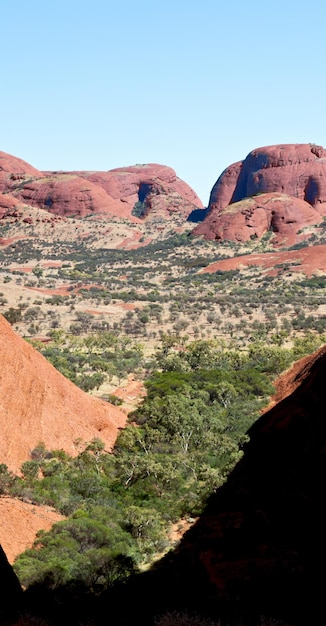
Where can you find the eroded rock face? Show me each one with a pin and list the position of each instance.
(223, 190)
(156, 187)
(296, 170)
(68, 195)
(14, 172)
(38, 404)
(137, 192)
(252, 217)
(8, 204)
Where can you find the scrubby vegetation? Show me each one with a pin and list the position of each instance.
(157, 288)
(208, 347)
(179, 446)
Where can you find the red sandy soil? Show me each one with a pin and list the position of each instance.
(59, 291)
(132, 243)
(128, 306)
(65, 290)
(130, 392)
(20, 521)
(9, 240)
(51, 264)
(310, 260)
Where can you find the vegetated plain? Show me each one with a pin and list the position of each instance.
(208, 347)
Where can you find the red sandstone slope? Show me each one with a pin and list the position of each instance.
(110, 193)
(295, 172)
(310, 260)
(251, 218)
(38, 404)
(68, 195)
(20, 521)
(298, 170)
(14, 172)
(156, 186)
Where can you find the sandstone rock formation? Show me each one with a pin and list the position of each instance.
(13, 210)
(8, 204)
(156, 187)
(253, 217)
(68, 195)
(291, 183)
(142, 191)
(256, 555)
(38, 404)
(15, 172)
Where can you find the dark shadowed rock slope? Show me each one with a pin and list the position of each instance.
(10, 589)
(260, 546)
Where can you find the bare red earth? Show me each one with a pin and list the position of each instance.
(14, 172)
(20, 521)
(307, 260)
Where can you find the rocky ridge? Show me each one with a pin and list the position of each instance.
(279, 189)
(136, 193)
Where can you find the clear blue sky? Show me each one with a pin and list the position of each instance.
(191, 84)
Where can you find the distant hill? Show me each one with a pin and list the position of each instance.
(139, 192)
(279, 189)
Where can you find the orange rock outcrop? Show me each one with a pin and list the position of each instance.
(38, 404)
(279, 188)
